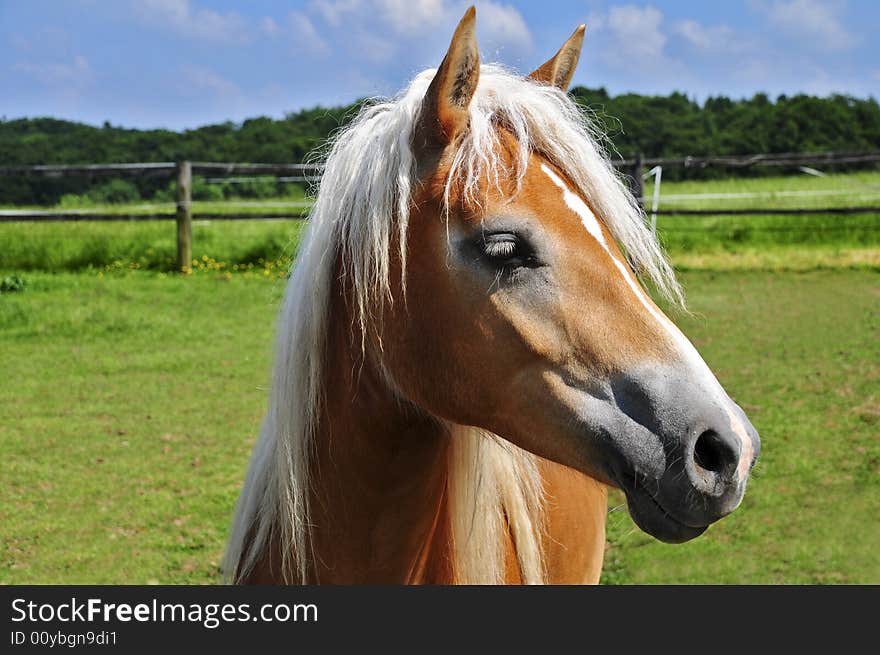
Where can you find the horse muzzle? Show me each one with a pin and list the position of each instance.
(674, 442)
(705, 447)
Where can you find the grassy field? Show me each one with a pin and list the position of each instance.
(127, 419)
(132, 399)
(151, 244)
(855, 189)
(801, 353)
(743, 234)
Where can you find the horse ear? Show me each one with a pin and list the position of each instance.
(444, 111)
(559, 69)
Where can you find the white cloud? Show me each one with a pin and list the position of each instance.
(816, 21)
(305, 36)
(717, 38)
(754, 71)
(504, 24)
(333, 11)
(269, 26)
(174, 11)
(377, 30)
(73, 73)
(198, 80)
(374, 48)
(183, 17)
(637, 28)
(638, 48)
(419, 17)
(412, 16)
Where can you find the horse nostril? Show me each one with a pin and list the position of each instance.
(713, 453)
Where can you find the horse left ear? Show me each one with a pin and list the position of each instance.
(559, 69)
(444, 111)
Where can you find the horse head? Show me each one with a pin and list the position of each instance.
(519, 310)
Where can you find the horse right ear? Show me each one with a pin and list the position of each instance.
(444, 112)
(559, 69)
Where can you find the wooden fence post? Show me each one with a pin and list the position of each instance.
(638, 184)
(184, 215)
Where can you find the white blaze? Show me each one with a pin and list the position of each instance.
(689, 353)
(589, 221)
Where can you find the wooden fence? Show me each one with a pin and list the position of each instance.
(183, 171)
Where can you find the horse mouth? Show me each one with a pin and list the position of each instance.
(656, 520)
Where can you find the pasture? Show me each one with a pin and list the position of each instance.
(132, 396)
(730, 241)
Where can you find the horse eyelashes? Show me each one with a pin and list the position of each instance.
(507, 251)
(500, 249)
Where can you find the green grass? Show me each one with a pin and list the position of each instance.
(801, 353)
(856, 189)
(151, 244)
(132, 397)
(148, 244)
(128, 413)
(727, 233)
(131, 402)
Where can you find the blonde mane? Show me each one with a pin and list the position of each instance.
(362, 208)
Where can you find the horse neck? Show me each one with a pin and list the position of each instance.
(378, 499)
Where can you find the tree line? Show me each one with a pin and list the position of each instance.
(656, 126)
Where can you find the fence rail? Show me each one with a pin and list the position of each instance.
(758, 211)
(65, 217)
(91, 170)
(302, 214)
(184, 170)
(790, 159)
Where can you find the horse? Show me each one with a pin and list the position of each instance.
(467, 355)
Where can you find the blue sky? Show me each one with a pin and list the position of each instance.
(185, 63)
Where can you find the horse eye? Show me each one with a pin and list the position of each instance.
(501, 249)
(507, 250)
